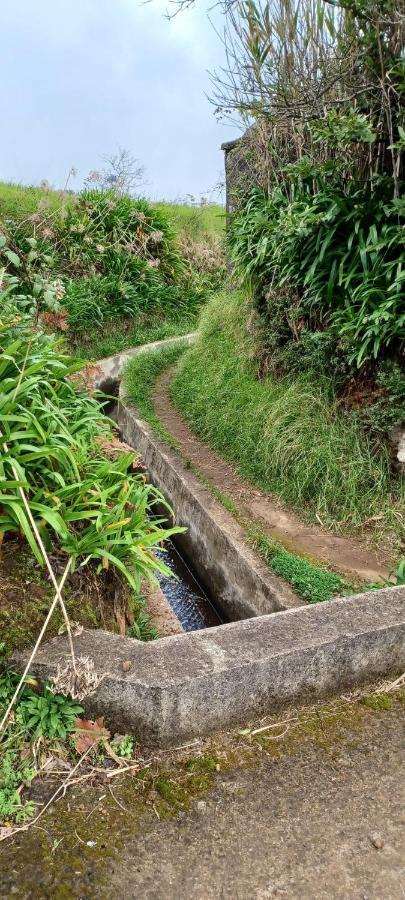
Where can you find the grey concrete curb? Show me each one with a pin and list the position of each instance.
(189, 685)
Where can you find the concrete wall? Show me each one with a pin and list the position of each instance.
(193, 684)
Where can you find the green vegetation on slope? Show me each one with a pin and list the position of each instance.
(109, 271)
(313, 583)
(195, 221)
(286, 434)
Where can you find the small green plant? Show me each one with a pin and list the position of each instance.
(49, 715)
(39, 713)
(124, 747)
(88, 505)
(399, 573)
(312, 583)
(142, 628)
(397, 577)
(14, 775)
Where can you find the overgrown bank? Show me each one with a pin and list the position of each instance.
(288, 434)
(108, 271)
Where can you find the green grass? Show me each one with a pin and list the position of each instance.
(116, 336)
(195, 221)
(286, 435)
(19, 201)
(312, 583)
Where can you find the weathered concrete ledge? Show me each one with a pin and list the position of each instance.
(108, 372)
(184, 686)
(240, 581)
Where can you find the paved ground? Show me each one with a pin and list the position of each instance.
(323, 820)
(300, 828)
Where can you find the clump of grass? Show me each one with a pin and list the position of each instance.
(313, 583)
(142, 628)
(287, 435)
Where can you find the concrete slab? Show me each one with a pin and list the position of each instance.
(194, 684)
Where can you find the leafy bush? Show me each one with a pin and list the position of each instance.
(87, 505)
(340, 252)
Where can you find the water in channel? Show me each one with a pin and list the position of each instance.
(184, 593)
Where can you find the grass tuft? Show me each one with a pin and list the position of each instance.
(313, 583)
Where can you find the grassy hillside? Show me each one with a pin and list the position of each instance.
(286, 434)
(19, 201)
(195, 221)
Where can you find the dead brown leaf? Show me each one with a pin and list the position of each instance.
(88, 734)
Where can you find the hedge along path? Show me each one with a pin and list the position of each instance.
(343, 554)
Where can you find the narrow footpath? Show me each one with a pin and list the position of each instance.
(344, 554)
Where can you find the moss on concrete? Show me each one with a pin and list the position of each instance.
(82, 836)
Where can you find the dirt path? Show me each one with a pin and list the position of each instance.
(280, 523)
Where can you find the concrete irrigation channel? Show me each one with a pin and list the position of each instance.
(271, 649)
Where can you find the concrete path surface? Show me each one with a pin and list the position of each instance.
(315, 815)
(312, 825)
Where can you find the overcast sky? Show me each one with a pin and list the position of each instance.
(80, 77)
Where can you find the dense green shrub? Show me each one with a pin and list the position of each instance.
(99, 226)
(104, 258)
(337, 255)
(84, 502)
